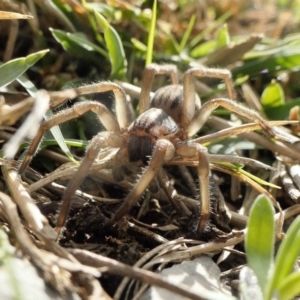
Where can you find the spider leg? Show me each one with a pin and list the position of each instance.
(147, 80)
(122, 110)
(206, 110)
(164, 150)
(171, 193)
(102, 139)
(9, 114)
(103, 113)
(200, 152)
(188, 109)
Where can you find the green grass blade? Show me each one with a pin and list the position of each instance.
(273, 95)
(204, 49)
(151, 35)
(53, 142)
(286, 257)
(12, 69)
(285, 60)
(28, 85)
(258, 180)
(112, 39)
(56, 132)
(187, 33)
(173, 46)
(223, 37)
(115, 48)
(92, 21)
(76, 43)
(273, 47)
(289, 288)
(209, 29)
(281, 112)
(138, 45)
(249, 175)
(260, 237)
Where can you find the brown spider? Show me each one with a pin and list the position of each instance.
(160, 133)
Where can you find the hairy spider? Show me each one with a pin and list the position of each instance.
(162, 130)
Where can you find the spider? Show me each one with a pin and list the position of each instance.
(161, 132)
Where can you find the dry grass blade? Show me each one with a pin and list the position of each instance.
(9, 163)
(67, 170)
(30, 126)
(249, 181)
(58, 278)
(240, 221)
(37, 222)
(290, 182)
(7, 15)
(219, 158)
(236, 130)
(232, 53)
(147, 233)
(294, 171)
(287, 150)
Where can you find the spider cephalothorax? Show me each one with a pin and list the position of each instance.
(146, 130)
(160, 133)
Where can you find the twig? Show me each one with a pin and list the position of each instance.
(121, 269)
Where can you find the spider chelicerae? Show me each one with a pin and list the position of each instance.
(162, 131)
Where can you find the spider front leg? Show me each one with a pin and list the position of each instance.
(189, 91)
(122, 110)
(105, 116)
(206, 110)
(102, 139)
(163, 151)
(200, 152)
(147, 80)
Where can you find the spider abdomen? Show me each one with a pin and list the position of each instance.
(169, 99)
(151, 125)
